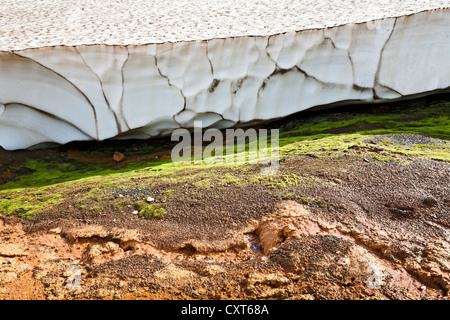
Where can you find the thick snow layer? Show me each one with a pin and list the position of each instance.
(36, 23)
(95, 92)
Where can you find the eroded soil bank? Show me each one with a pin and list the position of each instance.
(357, 210)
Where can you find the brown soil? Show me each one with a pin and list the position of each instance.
(362, 231)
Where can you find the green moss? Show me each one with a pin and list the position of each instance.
(48, 182)
(27, 205)
(385, 158)
(64, 170)
(122, 204)
(286, 181)
(149, 211)
(95, 208)
(168, 193)
(289, 196)
(140, 205)
(204, 183)
(80, 204)
(337, 132)
(430, 120)
(232, 179)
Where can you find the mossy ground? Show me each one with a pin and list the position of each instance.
(89, 180)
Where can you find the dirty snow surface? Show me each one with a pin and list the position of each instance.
(37, 23)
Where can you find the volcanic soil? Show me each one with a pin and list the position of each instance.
(364, 219)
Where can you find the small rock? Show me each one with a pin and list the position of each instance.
(135, 212)
(55, 230)
(402, 211)
(302, 297)
(274, 294)
(118, 157)
(354, 147)
(311, 155)
(272, 279)
(212, 270)
(430, 201)
(11, 269)
(103, 293)
(150, 199)
(97, 251)
(6, 277)
(375, 149)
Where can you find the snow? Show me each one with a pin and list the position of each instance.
(37, 23)
(60, 83)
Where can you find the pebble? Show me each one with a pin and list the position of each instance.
(118, 157)
(430, 201)
(55, 230)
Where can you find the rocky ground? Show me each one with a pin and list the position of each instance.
(362, 219)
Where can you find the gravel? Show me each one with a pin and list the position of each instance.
(409, 139)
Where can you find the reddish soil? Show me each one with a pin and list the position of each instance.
(361, 231)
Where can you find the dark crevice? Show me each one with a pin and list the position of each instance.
(307, 75)
(209, 60)
(169, 83)
(386, 88)
(331, 40)
(123, 90)
(377, 73)
(119, 130)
